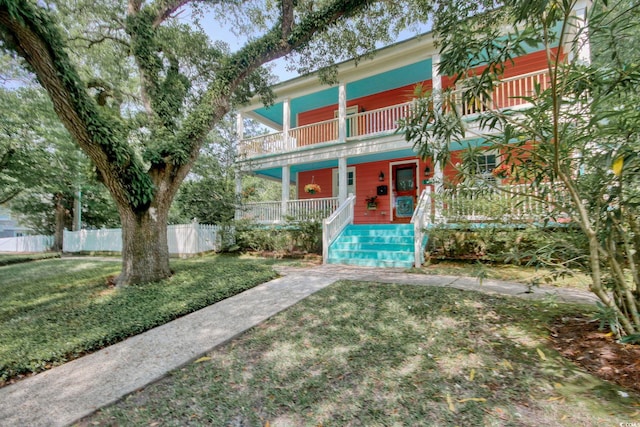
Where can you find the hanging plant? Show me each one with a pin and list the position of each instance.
(312, 188)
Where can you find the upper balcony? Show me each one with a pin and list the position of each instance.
(357, 125)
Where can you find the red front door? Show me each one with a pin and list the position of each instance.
(404, 191)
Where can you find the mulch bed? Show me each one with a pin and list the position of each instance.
(579, 340)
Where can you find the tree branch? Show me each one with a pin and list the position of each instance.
(92, 42)
(29, 31)
(167, 8)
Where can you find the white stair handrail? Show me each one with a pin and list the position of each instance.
(333, 226)
(421, 217)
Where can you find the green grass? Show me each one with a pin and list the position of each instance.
(385, 355)
(55, 310)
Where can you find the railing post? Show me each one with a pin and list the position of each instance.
(286, 124)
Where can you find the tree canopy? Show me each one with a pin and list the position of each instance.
(139, 90)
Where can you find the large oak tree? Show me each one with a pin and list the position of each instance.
(139, 90)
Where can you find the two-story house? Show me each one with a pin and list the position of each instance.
(339, 147)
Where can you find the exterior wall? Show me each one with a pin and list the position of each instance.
(322, 177)
(518, 155)
(367, 182)
(524, 64)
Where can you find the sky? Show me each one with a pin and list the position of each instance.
(218, 31)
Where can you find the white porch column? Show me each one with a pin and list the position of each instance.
(238, 181)
(238, 190)
(342, 179)
(286, 180)
(342, 112)
(582, 51)
(239, 126)
(438, 175)
(286, 124)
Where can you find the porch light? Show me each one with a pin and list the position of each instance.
(427, 170)
(381, 176)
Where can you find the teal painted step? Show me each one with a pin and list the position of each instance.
(374, 245)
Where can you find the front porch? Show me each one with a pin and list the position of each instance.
(402, 245)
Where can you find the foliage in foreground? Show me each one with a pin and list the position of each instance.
(368, 354)
(53, 311)
(575, 146)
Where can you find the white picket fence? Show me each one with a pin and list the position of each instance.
(26, 244)
(183, 239)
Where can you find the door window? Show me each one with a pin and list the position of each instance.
(405, 179)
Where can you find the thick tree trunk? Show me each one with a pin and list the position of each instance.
(145, 251)
(60, 216)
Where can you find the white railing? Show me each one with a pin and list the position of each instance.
(315, 133)
(377, 121)
(420, 219)
(182, 239)
(297, 210)
(261, 212)
(263, 144)
(508, 93)
(510, 203)
(333, 226)
(311, 208)
(26, 244)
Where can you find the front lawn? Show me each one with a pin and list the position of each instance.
(52, 311)
(368, 354)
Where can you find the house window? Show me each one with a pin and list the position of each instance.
(485, 164)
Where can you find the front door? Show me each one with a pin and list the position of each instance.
(404, 191)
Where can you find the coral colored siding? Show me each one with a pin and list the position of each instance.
(366, 186)
(525, 64)
(321, 177)
(366, 103)
(518, 154)
(367, 182)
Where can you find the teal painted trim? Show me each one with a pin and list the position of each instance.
(525, 46)
(469, 143)
(499, 225)
(272, 113)
(410, 74)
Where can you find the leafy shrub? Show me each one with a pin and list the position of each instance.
(534, 246)
(294, 235)
(16, 259)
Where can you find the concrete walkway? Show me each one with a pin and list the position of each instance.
(67, 393)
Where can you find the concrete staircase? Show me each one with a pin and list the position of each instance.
(374, 245)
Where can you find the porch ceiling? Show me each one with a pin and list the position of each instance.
(409, 74)
(276, 173)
